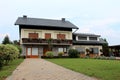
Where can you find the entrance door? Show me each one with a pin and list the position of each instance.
(45, 49)
(32, 52)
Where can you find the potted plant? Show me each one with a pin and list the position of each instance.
(82, 54)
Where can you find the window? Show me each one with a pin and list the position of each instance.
(33, 35)
(80, 49)
(47, 35)
(61, 36)
(93, 38)
(34, 51)
(94, 50)
(62, 49)
(82, 38)
(28, 51)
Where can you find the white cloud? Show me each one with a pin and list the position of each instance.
(2, 35)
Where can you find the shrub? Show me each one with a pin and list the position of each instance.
(112, 58)
(1, 60)
(49, 54)
(60, 54)
(8, 53)
(73, 53)
(101, 57)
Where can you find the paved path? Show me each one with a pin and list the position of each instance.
(39, 69)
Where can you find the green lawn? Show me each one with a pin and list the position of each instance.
(101, 69)
(7, 70)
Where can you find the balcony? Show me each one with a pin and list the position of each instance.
(45, 41)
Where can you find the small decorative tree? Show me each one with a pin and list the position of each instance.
(49, 54)
(101, 52)
(60, 54)
(73, 53)
(87, 50)
(49, 44)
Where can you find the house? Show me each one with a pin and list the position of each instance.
(37, 36)
(114, 50)
(88, 44)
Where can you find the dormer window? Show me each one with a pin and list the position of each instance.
(93, 38)
(82, 38)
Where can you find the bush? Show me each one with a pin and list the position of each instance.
(60, 54)
(73, 53)
(112, 58)
(49, 54)
(1, 60)
(100, 57)
(8, 53)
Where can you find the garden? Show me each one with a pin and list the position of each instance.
(9, 57)
(101, 69)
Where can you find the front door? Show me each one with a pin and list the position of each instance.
(32, 52)
(45, 49)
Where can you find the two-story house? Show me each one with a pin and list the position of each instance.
(88, 43)
(40, 35)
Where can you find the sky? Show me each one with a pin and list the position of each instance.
(101, 17)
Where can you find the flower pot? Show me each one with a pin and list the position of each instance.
(82, 55)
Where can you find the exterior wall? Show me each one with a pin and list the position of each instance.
(40, 50)
(23, 50)
(55, 50)
(41, 33)
(87, 47)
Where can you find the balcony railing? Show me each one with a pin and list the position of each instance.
(45, 41)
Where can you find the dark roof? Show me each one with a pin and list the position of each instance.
(44, 22)
(86, 34)
(100, 42)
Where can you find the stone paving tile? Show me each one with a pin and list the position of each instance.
(39, 69)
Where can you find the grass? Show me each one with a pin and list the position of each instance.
(101, 69)
(7, 70)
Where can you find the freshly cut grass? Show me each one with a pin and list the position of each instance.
(101, 69)
(7, 70)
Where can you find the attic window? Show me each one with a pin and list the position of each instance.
(93, 38)
(82, 38)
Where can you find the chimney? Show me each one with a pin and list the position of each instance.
(63, 19)
(24, 16)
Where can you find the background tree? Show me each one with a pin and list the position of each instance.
(16, 42)
(6, 40)
(105, 48)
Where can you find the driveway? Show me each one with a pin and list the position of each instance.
(40, 69)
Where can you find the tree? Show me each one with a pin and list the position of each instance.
(105, 48)
(49, 44)
(6, 40)
(16, 42)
